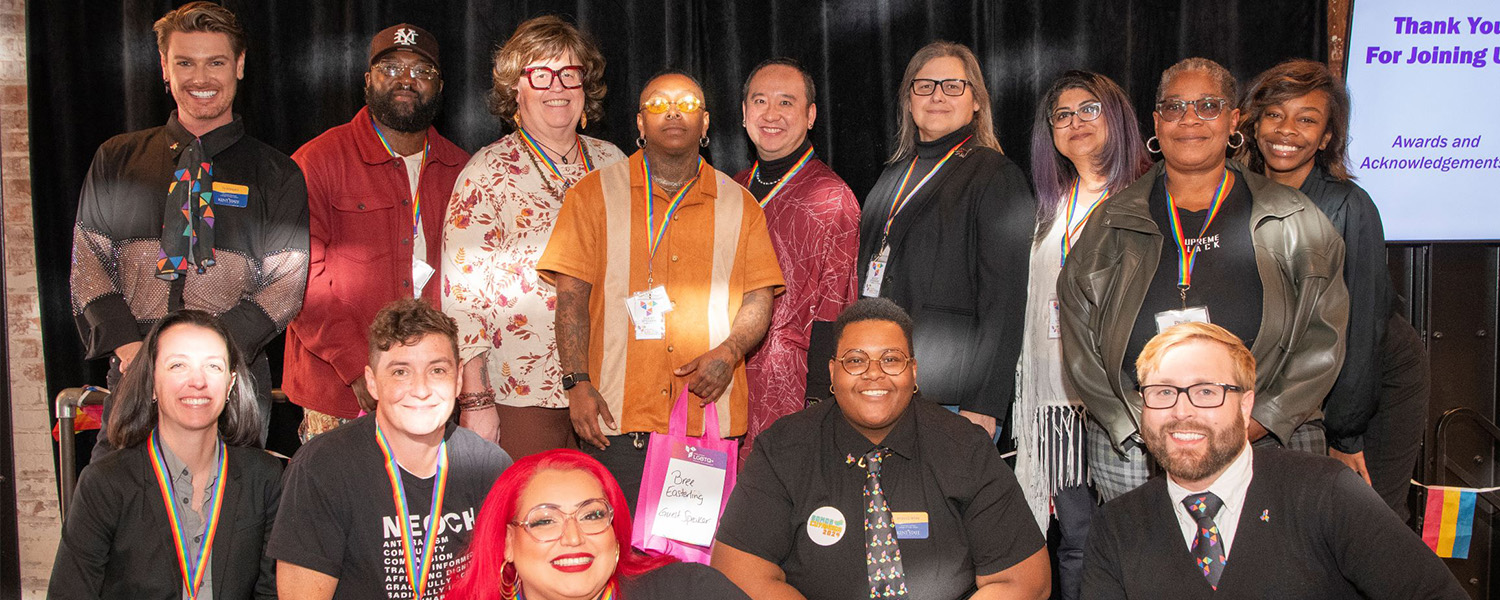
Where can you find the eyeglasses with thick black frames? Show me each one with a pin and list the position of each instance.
(547, 522)
(856, 362)
(541, 78)
(1207, 109)
(950, 87)
(1201, 395)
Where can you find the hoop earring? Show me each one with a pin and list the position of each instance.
(1157, 149)
(640, 142)
(703, 142)
(830, 389)
(915, 389)
(1236, 144)
(509, 590)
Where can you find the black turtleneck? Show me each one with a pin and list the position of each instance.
(773, 170)
(935, 149)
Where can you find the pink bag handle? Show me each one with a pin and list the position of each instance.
(678, 423)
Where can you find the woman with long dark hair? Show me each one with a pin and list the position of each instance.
(186, 484)
(1295, 118)
(1085, 145)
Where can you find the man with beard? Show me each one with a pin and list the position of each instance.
(193, 214)
(1295, 525)
(377, 188)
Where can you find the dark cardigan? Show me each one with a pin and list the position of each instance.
(1310, 528)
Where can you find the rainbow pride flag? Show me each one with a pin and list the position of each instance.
(1449, 522)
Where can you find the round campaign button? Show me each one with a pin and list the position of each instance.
(826, 526)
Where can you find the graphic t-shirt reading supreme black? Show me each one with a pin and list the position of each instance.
(338, 517)
(1224, 275)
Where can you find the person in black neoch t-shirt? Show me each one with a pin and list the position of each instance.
(344, 530)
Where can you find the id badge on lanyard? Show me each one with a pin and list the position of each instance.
(876, 272)
(1187, 257)
(648, 312)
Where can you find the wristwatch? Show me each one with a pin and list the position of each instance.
(572, 379)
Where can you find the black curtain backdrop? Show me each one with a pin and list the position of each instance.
(94, 73)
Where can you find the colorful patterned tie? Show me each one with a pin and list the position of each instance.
(1208, 545)
(882, 555)
(187, 236)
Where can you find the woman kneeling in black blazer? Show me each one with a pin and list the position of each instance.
(184, 507)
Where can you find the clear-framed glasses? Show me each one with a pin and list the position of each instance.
(856, 362)
(684, 105)
(395, 69)
(1201, 395)
(540, 78)
(1207, 109)
(951, 87)
(546, 522)
(1063, 117)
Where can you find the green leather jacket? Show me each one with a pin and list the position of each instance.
(1298, 350)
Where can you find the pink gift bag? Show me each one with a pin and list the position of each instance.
(685, 486)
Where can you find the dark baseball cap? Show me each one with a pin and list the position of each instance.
(405, 36)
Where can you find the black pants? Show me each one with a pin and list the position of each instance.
(1393, 442)
(260, 369)
(625, 461)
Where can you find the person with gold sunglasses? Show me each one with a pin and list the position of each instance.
(665, 273)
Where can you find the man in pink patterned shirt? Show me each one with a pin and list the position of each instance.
(813, 218)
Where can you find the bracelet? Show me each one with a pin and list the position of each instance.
(470, 401)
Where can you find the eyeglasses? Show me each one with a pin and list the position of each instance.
(546, 522)
(1201, 395)
(951, 87)
(395, 69)
(856, 362)
(541, 78)
(685, 105)
(1207, 109)
(1063, 117)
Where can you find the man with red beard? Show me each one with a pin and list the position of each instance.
(193, 214)
(377, 188)
(1256, 523)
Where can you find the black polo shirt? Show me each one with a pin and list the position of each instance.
(941, 465)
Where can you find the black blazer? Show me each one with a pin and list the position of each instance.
(1310, 529)
(117, 541)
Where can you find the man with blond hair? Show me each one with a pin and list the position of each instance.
(1296, 525)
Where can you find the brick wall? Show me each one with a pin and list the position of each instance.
(36, 481)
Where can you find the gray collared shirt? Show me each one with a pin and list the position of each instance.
(192, 518)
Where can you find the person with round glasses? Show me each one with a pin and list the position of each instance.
(549, 80)
(665, 274)
(1295, 117)
(945, 234)
(1085, 145)
(1199, 238)
(555, 527)
(879, 494)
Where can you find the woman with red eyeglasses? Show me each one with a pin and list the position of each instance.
(1199, 238)
(549, 81)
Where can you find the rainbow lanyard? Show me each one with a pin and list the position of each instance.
(899, 201)
(1185, 257)
(655, 234)
(1070, 232)
(536, 148)
(417, 569)
(801, 162)
(416, 199)
(193, 567)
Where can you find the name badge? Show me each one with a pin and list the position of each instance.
(910, 525)
(876, 273)
(229, 194)
(826, 526)
(1054, 319)
(1191, 314)
(648, 311)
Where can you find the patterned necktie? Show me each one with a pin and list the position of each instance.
(1208, 545)
(187, 233)
(882, 555)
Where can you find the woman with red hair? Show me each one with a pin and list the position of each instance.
(555, 526)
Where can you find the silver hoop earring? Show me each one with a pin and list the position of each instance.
(1236, 144)
(640, 142)
(1157, 149)
(703, 142)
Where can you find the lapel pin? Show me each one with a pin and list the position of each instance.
(1265, 515)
